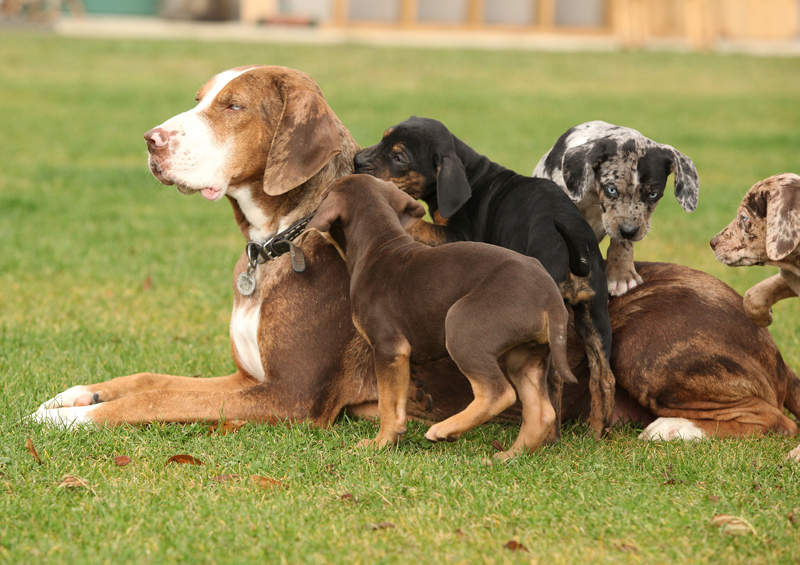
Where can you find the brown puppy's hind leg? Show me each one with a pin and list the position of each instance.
(527, 369)
(393, 372)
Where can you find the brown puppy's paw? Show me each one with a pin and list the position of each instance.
(379, 442)
(759, 312)
(437, 432)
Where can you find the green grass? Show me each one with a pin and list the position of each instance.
(83, 225)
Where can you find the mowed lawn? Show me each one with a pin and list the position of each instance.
(105, 272)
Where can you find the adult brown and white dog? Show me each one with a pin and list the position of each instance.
(265, 138)
(616, 176)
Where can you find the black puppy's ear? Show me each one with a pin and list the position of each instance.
(687, 183)
(452, 187)
(329, 212)
(580, 163)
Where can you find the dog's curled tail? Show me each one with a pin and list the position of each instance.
(557, 336)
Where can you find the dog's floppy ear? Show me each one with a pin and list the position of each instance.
(687, 184)
(452, 187)
(304, 140)
(408, 209)
(783, 217)
(332, 209)
(580, 163)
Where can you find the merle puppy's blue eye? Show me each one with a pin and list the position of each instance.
(611, 191)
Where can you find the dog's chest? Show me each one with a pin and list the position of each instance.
(245, 320)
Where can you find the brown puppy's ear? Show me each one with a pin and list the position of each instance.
(304, 141)
(408, 209)
(687, 184)
(452, 187)
(783, 216)
(329, 212)
(580, 163)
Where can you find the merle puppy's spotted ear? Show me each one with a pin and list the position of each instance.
(687, 184)
(783, 216)
(305, 139)
(332, 209)
(581, 162)
(452, 187)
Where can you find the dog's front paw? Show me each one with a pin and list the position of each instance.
(73, 416)
(79, 395)
(794, 454)
(620, 283)
(759, 312)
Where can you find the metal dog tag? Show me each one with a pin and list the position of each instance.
(297, 257)
(246, 282)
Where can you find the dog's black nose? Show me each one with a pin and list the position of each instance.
(628, 232)
(359, 161)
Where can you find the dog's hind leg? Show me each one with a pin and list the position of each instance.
(527, 368)
(601, 379)
(470, 347)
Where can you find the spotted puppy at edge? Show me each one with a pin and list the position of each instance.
(765, 231)
(616, 176)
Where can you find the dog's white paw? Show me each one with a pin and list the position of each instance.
(667, 429)
(794, 454)
(79, 395)
(618, 287)
(70, 417)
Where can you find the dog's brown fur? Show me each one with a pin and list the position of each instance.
(766, 231)
(490, 308)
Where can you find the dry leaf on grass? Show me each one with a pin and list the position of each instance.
(32, 450)
(382, 526)
(183, 459)
(346, 496)
(224, 427)
(266, 482)
(497, 445)
(148, 283)
(73, 482)
(121, 460)
(733, 525)
(514, 545)
(225, 477)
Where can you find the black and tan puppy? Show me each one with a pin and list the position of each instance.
(479, 200)
(493, 310)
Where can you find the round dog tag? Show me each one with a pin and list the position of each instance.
(246, 283)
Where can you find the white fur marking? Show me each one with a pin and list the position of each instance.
(64, 417)
(252, 212)
(244, 333)
(667, 429)
(67, 398)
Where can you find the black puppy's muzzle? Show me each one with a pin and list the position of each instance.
(361, 162)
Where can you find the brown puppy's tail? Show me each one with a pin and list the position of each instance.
(557, 337)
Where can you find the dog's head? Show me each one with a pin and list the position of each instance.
(419, 156)
(251, 124)
(626, 170)
(368, 198)
(766, 229)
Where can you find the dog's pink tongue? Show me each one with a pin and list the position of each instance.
(210, 193)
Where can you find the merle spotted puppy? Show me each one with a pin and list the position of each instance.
(616, 176)
(474, 198)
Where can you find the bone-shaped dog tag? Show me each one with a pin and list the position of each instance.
(297, 257)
